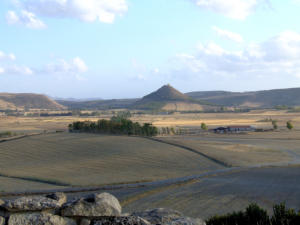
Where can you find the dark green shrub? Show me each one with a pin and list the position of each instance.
(254, 215)
(284, 216)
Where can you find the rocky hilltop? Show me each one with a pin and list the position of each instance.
(169, 99)
(96, 209)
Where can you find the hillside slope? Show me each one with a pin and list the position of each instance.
(256, 99)
(169, 99)
(10, 101)
(98, 104)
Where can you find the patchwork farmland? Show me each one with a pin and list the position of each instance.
(196, 174)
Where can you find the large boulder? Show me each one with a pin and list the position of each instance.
(159, 215)
(95, 205)
(36, 203)
(167, 217)
(2, 209)
(127, 220)
(38, 219)
(2, 221)
(186, 221)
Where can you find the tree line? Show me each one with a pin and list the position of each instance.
(254, 215)
(116, 125)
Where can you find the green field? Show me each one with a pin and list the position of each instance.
(87, 159)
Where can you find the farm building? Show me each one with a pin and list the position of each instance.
(234, 129)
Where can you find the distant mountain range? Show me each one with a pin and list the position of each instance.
(165, 98)
(98, 104)
(255, 99)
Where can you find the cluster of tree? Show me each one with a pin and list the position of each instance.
(116, 125)
(47, 114)
(12, 112)
(283, 107)
(289, 125)
(254, 215)
(56, 114)
(167, 131)
(204, 126)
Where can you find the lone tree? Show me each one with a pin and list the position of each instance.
(289, 125)
(274, 123)
(203, 126)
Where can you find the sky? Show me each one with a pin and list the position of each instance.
(128, 48)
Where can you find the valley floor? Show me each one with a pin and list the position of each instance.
(198, 175)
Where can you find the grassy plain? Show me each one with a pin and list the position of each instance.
(87, 159)
(256, 118)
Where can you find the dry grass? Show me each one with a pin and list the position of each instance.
(226, 193)
(87, 159)
(13, 185)
(38, 124)
(237, 151)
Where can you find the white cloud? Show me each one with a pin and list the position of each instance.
(156, 70)
(235, 9)
(80, 65)
(18, 70)
(25, 18)
(4, 56)
(62, 67)
(8, 65)
(88, 10)
(228, 34)
(278, 56)
(74, 67)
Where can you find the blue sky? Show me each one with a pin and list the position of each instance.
(128, 48)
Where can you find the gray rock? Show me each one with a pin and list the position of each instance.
(125, 220)
(38, 219)
(60, 197)
(2, 221)
(85, 222)
(36, 203)
(167, 217)
(159, 216)
(186, 221)
(95, 205)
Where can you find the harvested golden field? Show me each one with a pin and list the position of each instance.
(87, 159)
(256, 118)
(223, 193)
(274, 148)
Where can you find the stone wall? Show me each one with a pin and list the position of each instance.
(96, 209)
